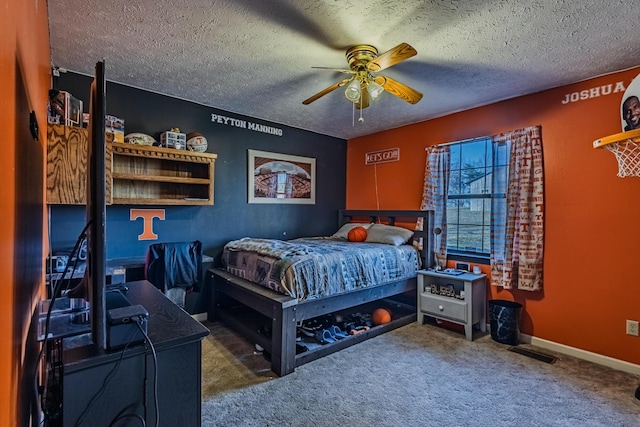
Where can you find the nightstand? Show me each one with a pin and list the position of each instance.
(457, 298)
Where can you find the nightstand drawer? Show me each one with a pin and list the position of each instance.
(443, 307)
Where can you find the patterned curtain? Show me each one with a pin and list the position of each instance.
(434, 197)
(517, 218)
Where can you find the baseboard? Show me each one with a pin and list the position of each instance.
(599, 359)
(200, 317)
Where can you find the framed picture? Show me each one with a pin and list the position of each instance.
(281, 178)
(630, 105)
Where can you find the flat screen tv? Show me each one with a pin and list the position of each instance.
(96, 208)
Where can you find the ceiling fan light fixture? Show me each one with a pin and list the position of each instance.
(352, 92)
(374, 89)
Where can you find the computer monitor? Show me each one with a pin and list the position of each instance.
(96, 209)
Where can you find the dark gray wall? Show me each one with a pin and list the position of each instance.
(231, 217)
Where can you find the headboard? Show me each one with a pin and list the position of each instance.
(391, 218)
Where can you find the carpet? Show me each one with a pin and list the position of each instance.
(417, 375)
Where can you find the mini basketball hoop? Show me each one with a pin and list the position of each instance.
(626, 147)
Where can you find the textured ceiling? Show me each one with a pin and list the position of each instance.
(254, 57)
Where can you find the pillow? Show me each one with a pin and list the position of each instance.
(388, 234)
(343, 232)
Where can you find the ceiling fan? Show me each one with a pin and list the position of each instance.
(364, 85)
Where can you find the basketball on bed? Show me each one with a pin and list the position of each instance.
(357, 234)
(380, 316)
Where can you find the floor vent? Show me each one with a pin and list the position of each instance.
(533, 354)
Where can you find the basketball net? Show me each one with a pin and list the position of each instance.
(626, 147)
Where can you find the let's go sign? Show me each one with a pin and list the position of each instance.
(382, 156)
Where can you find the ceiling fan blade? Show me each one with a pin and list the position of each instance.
(391, 57)
(341, 70)
(398, 89)
(325, 91)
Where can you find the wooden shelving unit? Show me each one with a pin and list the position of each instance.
(161, 176)
(135, 174)
(67, 166)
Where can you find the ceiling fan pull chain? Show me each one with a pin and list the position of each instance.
(353, 115)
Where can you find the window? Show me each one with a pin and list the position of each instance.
(473, 166)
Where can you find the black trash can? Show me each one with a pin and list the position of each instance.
(504, 319)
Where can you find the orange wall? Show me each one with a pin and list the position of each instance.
(22, 47)
(592, 235)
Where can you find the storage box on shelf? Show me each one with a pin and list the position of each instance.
(170, 139)
(136, 175)
(64, 109)
(114, 129)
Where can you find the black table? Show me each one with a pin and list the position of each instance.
(100, 386)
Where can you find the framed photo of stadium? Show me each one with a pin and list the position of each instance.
(281, 178)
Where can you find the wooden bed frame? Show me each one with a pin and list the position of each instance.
(245, 306)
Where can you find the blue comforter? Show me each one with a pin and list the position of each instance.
(312, 268)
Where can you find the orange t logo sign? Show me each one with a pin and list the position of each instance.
(147, 215)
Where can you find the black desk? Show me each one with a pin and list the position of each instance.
(177, 338)
(119, 267)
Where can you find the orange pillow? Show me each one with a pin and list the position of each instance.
(357, 234)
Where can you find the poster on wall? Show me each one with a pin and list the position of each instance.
(281, 178)
(630, 106)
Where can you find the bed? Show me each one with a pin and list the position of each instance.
(288, 282)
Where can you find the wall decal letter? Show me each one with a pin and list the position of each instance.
(147, 215)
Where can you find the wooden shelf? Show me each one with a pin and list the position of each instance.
(162, 153)
(156, 201)
(136, 175)
(177, 180)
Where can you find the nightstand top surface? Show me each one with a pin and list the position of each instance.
(464, 276)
